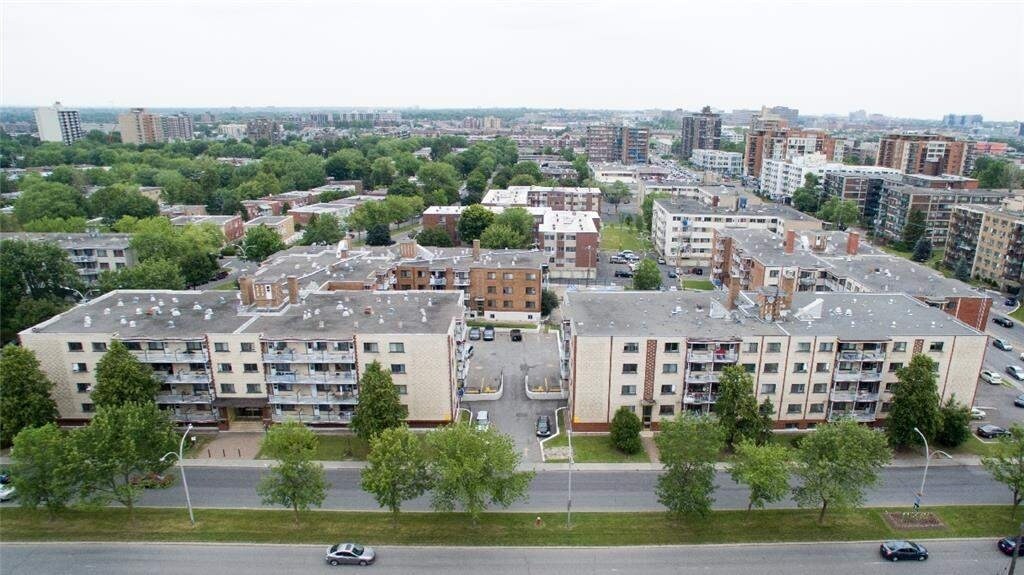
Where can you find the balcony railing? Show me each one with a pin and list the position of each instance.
(699, 398)
(870, 375)
(461, 280)
(195, 416)
(858, 415)
(176, 398)
(323, 397)
(854, 396)
(345, 417)
(309, 356)
(82, 259)
(322, 378)
(438, 281)
(709, 356)
(171, 356)
(856, 355)
(846, 376)
(701, 377)
(188, 377)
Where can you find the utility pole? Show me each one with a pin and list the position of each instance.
(568, 507)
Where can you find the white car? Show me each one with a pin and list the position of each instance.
(977, 413)
(991, 377)
(7, 492)
(1015, 371)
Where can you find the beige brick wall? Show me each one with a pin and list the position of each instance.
(429, 371)
(237, 359)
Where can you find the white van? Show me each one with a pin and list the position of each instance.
(482, 422)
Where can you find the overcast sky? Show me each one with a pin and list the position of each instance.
(915, 59)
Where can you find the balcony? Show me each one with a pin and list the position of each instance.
(461, 280)
(853, 395)
(82, 259)
(712, 356)
(808, 281)
(438, 281)
(183, 398)
(321, 378)
(699, 398)
(862, 355)
(318, 398)
(871, 355)
(186, 377)
(195, 416)
(344, 417)
(846, 376)
(309, 356)
(702, 377)
(171, 356)
(860, 416)
(870, 375)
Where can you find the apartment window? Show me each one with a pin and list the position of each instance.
(224, 367)
(771, 368)
(396, 347)
(821, 367)
(82, 387)
(799, 368)
(817, 408)
(936, 346)
(507, 290)
(531, 305)
(631, 408)
(253, 388)
(819, 388)
(631, 347)
(402, 389)
(506, 303)
(248, 347)
(155, 345)
(826, 346)
(752, 347)
(794, 408)
(672, 347)
(370, 347)
(492, 275)
(79, 368)
(668, 389)
(773, 274)
(227, 388)
(804, 347)
(886, 406)
(670, 368)
(492, 289)
(506, 276)
(629, 368)
(75, 346)
(666, 410)
(99, 346)
(531, 291)
(774, 347)
(133, 345)
(797, 388)
(628, 390)
(768, 388)
(749, 367)
(250, 368)
(398, 368)
(88, 408)
(894, 366)
(118, 253)
(220, 347)
(531, 277)
(899, 346)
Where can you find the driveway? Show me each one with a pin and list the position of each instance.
(515, 414)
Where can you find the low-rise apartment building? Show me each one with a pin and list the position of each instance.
(279, 204)
(989, 240)
(559, 198)
(92, 252)
(224, 359)
(232, 227)
(780, 178)
(815, 357)
(898, 200)
(283, 225)
(729, 163)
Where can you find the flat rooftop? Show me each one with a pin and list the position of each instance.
(185, 220)
(508, 197)
(556, 189)
(698, 208)
(69, 241)
(267, 220)
(961, 195)
(559, 221)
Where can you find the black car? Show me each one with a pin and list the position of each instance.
(1011, 302)
(543, 426)
(1019, 400)
(623, 274)
(1000, 320)
(989, 431)
(516, 335)
(673, 275)
(1007, 544)
(906, 550)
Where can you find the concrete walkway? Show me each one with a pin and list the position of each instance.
(234, 445)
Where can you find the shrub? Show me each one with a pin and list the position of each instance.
(625, 431)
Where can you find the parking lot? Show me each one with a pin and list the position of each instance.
(515, 414)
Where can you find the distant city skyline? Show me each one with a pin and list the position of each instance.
(905, 59)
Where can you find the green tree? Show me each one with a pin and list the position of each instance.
(261, 242)
(625, 431)
(647, 208)
(397, 470)
(1007, 466)
(121, 378)
(50, 225)
(113, 202)
(548, 302)
(615, 193)
(379, 405)
(379, 235)
(43, 470)
(764, 469)
(197, 267)
(842, 213)
(736, 406)
(382, 172)
(295, 481)
(150, 274)
(122, 441)
(688, 446)
(500, 236)
(36, 278)
(48, 200)
(474, 468)
(963, 270)
(837, 463)
(435, 236)
(518, 219)
(24, 393)
(915, 403)
(913, 229)
(523, 180)
(322, 229)
(954, 423)
(527, 168)
(647, 276)
(439, 177)
(473, 221)
(476, 181)
(922, 250)
(806, 200)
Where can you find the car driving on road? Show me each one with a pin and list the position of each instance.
(1000, 320)
(903, 550)
(1007, 545)
(350, 554)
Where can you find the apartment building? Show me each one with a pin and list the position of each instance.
(233, 131)
(817, 261)
(277, 205)
(177, 127)
(990, 240)
(222, 359)
(771, 138)
(817, 357)
(898, 200)
(232, 227)
(59, 124)
(607, 143)
(862, 189)
(176, 210)
(263, 129)
(555, 197)
(571, 241)
(92, 252)
(283, 225)
(780, 178)
(929, 154)
(701, 131)
(682, 230)
(728, 163)
(140, 127)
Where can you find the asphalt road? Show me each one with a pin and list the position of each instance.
(997, 400)
(592, 490)
(978, 557)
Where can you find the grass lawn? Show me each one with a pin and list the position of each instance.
(227, 285)
(497, 529)
(617, 237)
(974, 446)
(704, 285)
(336, 448)
(1018, 314)
(591, 448)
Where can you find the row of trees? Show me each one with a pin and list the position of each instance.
(512, 228)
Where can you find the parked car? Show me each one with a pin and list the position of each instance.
(482, 421)
(623, 274)
(978, 413)
(350, 554)
(1002, 344)
(1011, 302)
(672, 275)
(7, 492)
(661, 261)
(991, 377)
(543, 426)
(1016, 372)
(222, 274)
(488, 333)
(5, 477)
(516, 335)
(474, 333)
(989, 431)
(1000, 320)
(1007, 545)
(616, 260)
(697, 271)
(1019, 400)
(906, 550)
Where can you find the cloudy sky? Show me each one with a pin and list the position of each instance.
(919, 59)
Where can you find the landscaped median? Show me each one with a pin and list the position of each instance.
(494, 529)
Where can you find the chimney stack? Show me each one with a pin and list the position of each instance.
(852, 243)
(343, 249)
(407, 249)
(245, 287)
(293, 289)
(476, 250)
(790, 241)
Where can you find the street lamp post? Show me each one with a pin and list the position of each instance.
(927, 460)
(568, 506)
(184, 482)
